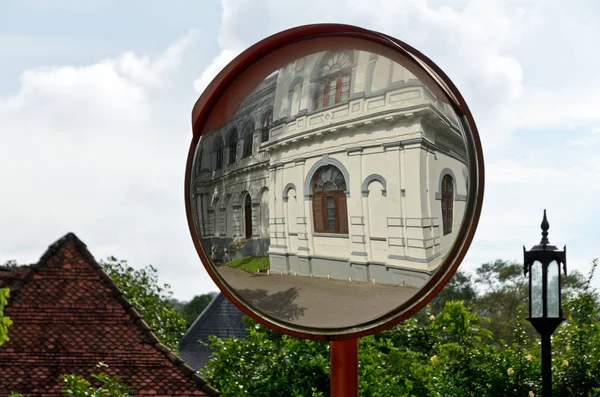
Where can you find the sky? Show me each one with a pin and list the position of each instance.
(96, 100)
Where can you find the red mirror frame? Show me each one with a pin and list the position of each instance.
(226, 85)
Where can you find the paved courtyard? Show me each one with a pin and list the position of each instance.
(313, 301)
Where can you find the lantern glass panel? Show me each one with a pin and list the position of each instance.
(537, 299)
(553, 290)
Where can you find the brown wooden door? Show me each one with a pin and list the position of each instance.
(248, 216)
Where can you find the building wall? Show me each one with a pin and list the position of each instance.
(392, 140)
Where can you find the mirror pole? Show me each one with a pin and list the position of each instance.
(344, 368)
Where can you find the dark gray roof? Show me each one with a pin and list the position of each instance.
(220, 318)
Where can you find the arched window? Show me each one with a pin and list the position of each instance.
(266, 126)
(295, 98)
(218, 148)
(447, 203)
(248, 138)
(216, 217)
(330, 213)
(232, 145)
(333, 84)
(248, 217)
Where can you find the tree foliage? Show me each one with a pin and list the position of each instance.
(141, 288)
(5, 321)
(267, 363)
(192, 309)
(100, 385)
(463, 344)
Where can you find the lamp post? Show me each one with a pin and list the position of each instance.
(543, 264)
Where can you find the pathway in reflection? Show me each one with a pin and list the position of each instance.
(316, 302)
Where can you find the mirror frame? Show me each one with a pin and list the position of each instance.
(228, 75)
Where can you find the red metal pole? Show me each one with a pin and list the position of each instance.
(344, 368)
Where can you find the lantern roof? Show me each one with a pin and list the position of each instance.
(544, 251)
(544, 244)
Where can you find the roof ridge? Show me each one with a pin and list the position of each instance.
(149, 336)
(202, 317)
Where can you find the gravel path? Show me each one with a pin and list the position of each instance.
(314, 301)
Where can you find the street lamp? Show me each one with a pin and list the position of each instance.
(543, 264)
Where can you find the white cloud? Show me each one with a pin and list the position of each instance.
(590, 139)
(224, 57)
(95, 149)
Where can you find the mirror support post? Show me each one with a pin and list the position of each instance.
(344, 368)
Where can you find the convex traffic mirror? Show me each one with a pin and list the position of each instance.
(334, 181)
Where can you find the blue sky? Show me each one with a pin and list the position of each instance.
(95, 102)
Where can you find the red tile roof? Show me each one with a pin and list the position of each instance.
(69, 315)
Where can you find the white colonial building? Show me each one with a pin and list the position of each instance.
(341, 165)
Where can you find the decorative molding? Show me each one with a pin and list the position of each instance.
(420, 243)
(438, 194)
(330, 235)
(357, 220)
(371, 178)
(396, 241)
(390, 145)
(358, 238)
(358, 253)
(412, 259)
(301, 220)
(414, 222)
(358, 149)
(378, 238)
(394, 221)
(325, 160)
(286, 189)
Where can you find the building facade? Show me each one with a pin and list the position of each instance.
(342, 165)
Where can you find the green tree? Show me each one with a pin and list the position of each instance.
(267, 364)
(459, 288)
(395, 362)
(177, 304)
(141, 288)
(576, 344)
(106, 386)
(11, 263)
(504, 290)
(5, 321)
(192, 309)
(101, 385)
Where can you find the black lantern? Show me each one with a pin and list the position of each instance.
(543, 263)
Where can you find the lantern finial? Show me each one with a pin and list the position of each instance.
(545, 226)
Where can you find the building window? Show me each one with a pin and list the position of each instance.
(295, 99)
(248, 217)
(266, 126)
(232, 145)
(333, 84)
(218, 148)
(447, 203)
(330, 213)
(248, 139)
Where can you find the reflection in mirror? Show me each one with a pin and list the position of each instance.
(553, 289)
(333, 192)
